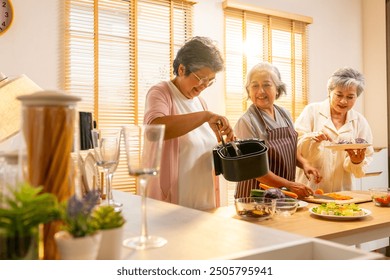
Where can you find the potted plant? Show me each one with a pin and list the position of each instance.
(21, 213)
(110, 223)
(80, 237)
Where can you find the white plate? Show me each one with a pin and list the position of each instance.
(342, 147)
(343, 218)
(91, 172)
(302, 204)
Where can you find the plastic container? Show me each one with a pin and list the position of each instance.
(252, 163)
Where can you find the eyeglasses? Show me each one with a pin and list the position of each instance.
(340, 97)
(204, 81)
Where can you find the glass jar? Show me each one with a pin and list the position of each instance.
(9, 173)
(51, 136)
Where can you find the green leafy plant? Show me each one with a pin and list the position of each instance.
(25, 208)
(21, 212)
(77, 215)
(107, 218)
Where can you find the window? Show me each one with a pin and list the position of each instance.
(114, 51)
(252, 35)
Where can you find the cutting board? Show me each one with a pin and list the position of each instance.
(356, 198)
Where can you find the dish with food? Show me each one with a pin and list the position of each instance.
(336, 211)
(255, 208)
(380, 196)
(342, 147)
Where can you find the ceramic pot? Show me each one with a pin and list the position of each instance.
(79, 248)
(111, 244)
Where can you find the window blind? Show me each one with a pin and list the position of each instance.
(115, 50)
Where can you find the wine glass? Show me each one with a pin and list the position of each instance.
(143, 150)
(106, 146)
(116, 204)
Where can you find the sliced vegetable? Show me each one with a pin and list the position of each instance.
(257, 193)
(338, 196)
(274, 193)
(319, 191)
(288, 193)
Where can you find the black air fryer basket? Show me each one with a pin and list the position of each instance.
(251, 164)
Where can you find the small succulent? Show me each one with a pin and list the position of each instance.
(107, 218)
(77, 215)
(25, 208)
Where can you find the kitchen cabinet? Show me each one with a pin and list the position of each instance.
(376, 173)
(376, 177)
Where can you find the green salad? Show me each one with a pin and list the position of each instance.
(334, 209)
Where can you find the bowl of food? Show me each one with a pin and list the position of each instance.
(286, 207)
(255, 208)
(380, 196)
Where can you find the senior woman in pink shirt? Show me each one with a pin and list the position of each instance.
(186, 175)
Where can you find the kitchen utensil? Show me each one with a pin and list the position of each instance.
(251, 164)
(222, 140)
(236, 149)
(321, 196)
(355, 198)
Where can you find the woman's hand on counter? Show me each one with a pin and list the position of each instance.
(300, 189)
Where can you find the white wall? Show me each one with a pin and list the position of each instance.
(374, 67)
(32, 44)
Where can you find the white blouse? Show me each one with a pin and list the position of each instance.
(196, 183)
(335, 167)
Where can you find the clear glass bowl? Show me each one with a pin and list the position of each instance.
(286, 206)
(380, 196)
(255, 208)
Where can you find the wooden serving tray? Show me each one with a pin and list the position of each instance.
(356, 198)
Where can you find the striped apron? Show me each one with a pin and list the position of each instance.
(282, 149)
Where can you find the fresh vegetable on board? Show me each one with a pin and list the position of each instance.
(288, 193)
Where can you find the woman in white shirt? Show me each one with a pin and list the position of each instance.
(334, 121)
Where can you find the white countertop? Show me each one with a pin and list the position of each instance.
(194, 234)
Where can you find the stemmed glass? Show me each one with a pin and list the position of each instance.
(106, 146)
(143, 150)
(116, 204)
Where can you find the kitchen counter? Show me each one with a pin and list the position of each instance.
(353, 232)
(193, 234)
(199, 235)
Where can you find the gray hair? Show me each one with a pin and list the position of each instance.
(197, 53)
(275, 75)
(346, 77)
